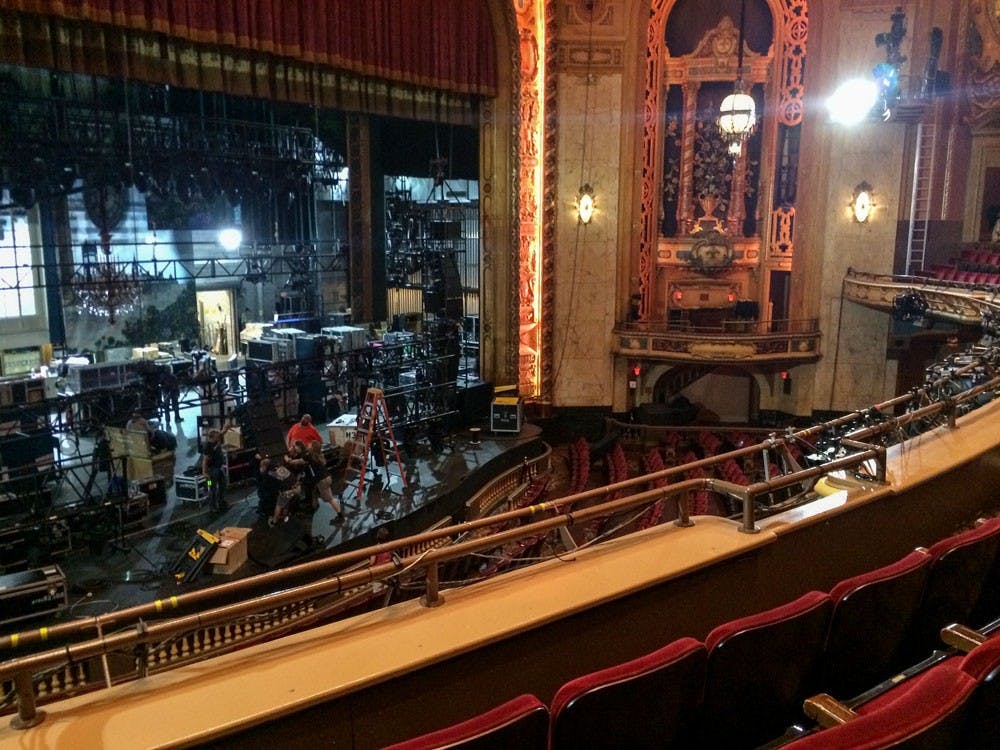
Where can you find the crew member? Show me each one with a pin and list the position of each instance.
(305, 431)
(320, 479)
(170, 394)
(137, 422)
(213, 466)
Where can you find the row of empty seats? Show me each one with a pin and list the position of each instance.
(962, 276)
(746, 683)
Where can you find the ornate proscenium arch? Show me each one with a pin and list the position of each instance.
(791, 28)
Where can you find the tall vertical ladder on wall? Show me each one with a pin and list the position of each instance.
(920, 198)
(374, 434)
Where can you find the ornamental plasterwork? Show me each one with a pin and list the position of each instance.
(791, 31)
(536, 217)
(550, 136)
(984, 91)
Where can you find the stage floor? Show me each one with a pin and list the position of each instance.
(134, 566)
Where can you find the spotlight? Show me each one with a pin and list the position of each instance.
(230, 238)
(852, 101)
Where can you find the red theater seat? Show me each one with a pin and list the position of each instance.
(960, 566)
(872, 615)
(760, 669)
(519, 723)
(927, 713)
(643, 703)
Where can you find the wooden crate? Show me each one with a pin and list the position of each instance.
(116, 440)
(162, 464)
(137, 443)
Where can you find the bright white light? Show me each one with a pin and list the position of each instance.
(852, 101)
(230, 238)
(737, 114)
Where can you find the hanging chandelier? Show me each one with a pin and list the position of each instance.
(738, 113)
(105, 287)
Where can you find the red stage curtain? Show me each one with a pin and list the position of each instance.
(442, 44)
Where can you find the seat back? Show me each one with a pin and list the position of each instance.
(644, 703)
(522, 723)
(760, 669)
(872, 615)
(926, 714)
(983, 724)
(960, 566)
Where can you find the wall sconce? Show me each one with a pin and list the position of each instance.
(863, 203)
(585, 204)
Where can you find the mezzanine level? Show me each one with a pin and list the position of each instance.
(777, 342)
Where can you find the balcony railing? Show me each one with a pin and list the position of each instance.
(962, 303)
(139, 642)
(733, 341)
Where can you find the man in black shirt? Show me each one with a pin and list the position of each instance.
(213, 466)
(170, 394)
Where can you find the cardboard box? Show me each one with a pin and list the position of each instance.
(231, 552)
(343, 428)
(233, 437)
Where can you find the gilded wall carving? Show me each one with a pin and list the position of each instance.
(984, 91)
(791, 28)
(530, 143)
(549, 188)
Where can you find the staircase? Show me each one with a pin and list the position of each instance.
(680, 377)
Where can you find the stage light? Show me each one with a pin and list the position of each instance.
(852, 101)
(230, 238)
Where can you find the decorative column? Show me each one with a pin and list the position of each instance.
(359, 216)
(737, 202)
(685, 186)
(530, 16)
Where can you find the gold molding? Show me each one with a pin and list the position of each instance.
(593, 58)
(791, 28)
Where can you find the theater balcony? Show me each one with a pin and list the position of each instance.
(721, 341)
(913, 297)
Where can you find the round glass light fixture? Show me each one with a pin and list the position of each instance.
(737, 115)
(585, 204)
(863, 203)
(230, 238)
(852, 101)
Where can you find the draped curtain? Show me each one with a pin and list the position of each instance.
(428, 60)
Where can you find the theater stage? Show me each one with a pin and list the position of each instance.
(134, 567)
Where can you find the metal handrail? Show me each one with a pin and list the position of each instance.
(564, 514)
(144, 633)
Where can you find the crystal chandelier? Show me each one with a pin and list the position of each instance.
(737, 115)
(106, 287)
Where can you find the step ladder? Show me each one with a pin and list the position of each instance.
(374, 441)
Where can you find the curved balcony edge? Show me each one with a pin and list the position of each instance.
(736, 342)
(960, 303)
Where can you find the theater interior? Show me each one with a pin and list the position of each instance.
(651, 347)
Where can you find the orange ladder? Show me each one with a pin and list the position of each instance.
(374, 433)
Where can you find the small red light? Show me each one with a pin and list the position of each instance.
(784, 374)
(732, 297)
(636, 370)
(678, 295)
